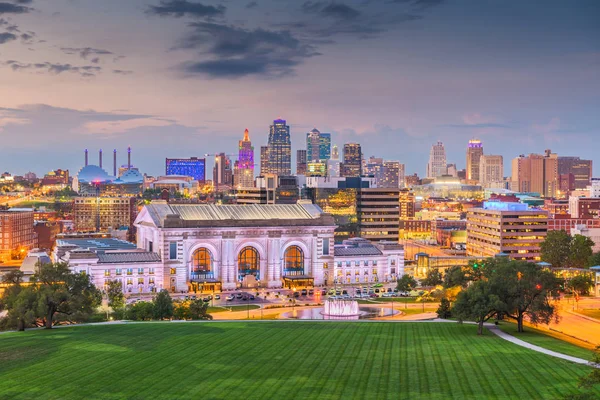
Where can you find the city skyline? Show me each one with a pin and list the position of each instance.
(443, 73)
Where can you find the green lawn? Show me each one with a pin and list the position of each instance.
(264, 360)
(542, 339)
(212, 310)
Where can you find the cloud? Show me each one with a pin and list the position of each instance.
(86, 71)
(122, 72)
(9, 8)
(87, 52)
(6, 37)
(420, 4)
(252, 4)
(181, 8)
(235, 52)
(333, 10)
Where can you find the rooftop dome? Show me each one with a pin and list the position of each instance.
(93, 173)
(131, 176)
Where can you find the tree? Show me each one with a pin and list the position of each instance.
(19, 301)
(443, 310)
(455, 276)
(594, 260)
(199, 310)
(406, 283)
(556, 248)
(580, 251)
(63, 292)
(181, 310)
(478, 302)
(580, 284)
(114, 293)
(140, 311)
(163, 305)
(524, 289)
(433, 278)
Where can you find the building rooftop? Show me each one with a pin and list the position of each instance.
(97, 243)
(128, 257)
(357, 251)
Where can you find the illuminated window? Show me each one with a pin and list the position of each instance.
(293, 261)
(248, 263)
(173, 271)
(202, 264)
(129, 271)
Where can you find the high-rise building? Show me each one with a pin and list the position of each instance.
(406, 210)
(333, 167)
(352, 165)
(437, 165)
(452, 170)
(335, 153)
(374, 167)
(194, 167)
(16, 232)
(98, 214)
(393, 175)
(222, 172)
(280, 149)
(264, 160)
(536, 173)
(491, 171)
(377, 210)
(474, 153)
(509, 228)
(581, 170)
(244, 165)
(325, 147)
(301, 162)
(318, 146)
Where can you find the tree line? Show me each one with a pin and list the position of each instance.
(56, 295)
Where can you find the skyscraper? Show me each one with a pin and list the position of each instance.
(437, 161)
(222, 172)
(264, 160)
(474, 153)
(393, 175)
(244, 169)
(335, 153)
(352, 165)
(536, 173)
(581, 170)
(318, 146)
(491, 171)
(280, 149)
(301, 162)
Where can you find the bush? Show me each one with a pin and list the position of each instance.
(443, 310)
(140, 311)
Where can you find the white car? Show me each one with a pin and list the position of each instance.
(230, 297)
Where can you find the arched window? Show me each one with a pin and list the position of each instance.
(248, 263)
(293, 261)
(202, 264)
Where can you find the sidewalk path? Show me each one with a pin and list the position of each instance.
(496, 331)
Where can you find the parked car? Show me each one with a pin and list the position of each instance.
(311, 292)
(206, 299)
(357, 291)
(251, 297)
(296, 294)
(324, 292)
(304, 292)
(239, 295)
(217, 297)
(346, 296)
(377, 290)
(344, 292)
(230, 297)
(357, 296)
(373, 295)
(396, 290)
(386, 295)
(389, 290)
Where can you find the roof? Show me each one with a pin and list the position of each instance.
(357, 251)
(97, 243)
(218, 214)
(128, 257)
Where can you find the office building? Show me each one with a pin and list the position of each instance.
(406, 211)
(318, 168)
(393, 175)
(222, 172)
(335, 153)
(280, 149)
(378, 214)
(509, 228)
(101, 213)
(264, 160)
(301, 162)
(318, 146)
(584, 207)
(194, 167)
(270, 189)
(536, 173)
(59, 177)
(580, 169)
(474, 153)
(16, 233)
(325, 147)
(244, 166)
(437, 165)
(491, 171)
(352, 165)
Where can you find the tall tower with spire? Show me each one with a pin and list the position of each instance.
(437, 161)
(244, 166)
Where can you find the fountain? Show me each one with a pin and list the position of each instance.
(341, 309)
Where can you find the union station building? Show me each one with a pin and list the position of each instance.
(210, 247)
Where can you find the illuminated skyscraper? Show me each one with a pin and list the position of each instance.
(301, 162)
(352, 165)
(194, 167)
(244, 168)
(474, 153)
(318, 146)
(335, 153)
(264, 160)
(222, 172)
(437, 161)
(280, 149)
(536, 173)
(491, 171)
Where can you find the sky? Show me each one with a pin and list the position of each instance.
(182, 78)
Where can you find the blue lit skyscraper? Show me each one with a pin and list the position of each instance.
(318, 146)
(325, 147)
(280, 149)
(194, 167)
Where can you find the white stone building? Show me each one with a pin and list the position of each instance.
(359, 261)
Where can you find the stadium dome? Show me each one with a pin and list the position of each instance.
(130, 176)
(92, 173)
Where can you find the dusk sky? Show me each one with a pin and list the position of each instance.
(178, 78)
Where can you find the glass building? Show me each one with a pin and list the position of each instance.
(280, 148)
(318, 146)
(194, 167)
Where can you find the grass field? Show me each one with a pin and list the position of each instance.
(542, 339)
(212, 310)
(264, 360)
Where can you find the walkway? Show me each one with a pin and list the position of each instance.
(496, 331)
